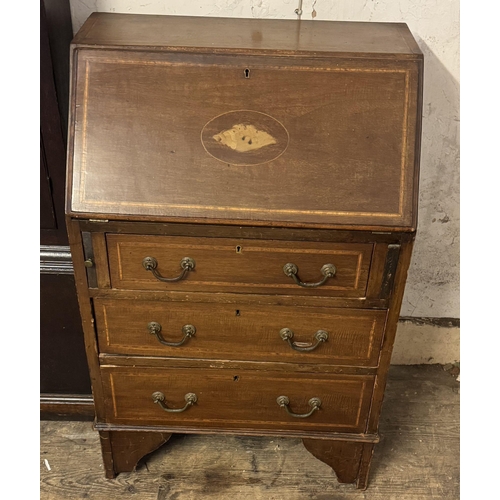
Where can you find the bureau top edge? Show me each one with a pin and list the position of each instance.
(286, 37)
(105, 220)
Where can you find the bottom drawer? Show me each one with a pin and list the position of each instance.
(237, 399)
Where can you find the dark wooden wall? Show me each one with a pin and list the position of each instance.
(64, 381)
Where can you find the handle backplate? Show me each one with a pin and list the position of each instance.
(284, 402)
(155, 329)
(291, 270)
(187, 264)
(287, 335)
(159, 398)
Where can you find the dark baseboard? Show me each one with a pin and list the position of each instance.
(66, 407)
(55, 260)
(443, 322)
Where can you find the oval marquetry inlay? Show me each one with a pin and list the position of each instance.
(244, 137)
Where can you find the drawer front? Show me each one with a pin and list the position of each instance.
(251, 266)
(240, 332)
(237, 398)
(335, 146)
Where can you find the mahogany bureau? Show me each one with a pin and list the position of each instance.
(242, 204)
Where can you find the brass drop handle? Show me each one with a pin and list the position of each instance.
(314, 403)
(159, 397)
(291, 270)
(155, 329)
(150, 264)
(287, 335)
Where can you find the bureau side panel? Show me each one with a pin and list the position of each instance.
(396, 299)
(88, 323)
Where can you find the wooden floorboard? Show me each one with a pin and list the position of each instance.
(417, 458)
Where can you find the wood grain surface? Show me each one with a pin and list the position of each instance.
(256, 35)
(242, 123)
(130, 148)
(418, 457)
(240, 331)
(238, 266)
(343, 457)
(121, 451)
(236, 398)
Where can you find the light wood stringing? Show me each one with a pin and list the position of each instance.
(256, 268)
(233, 398)
(240, 331)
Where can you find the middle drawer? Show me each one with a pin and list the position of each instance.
(207, 330)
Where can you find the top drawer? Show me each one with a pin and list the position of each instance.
(232, 265)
